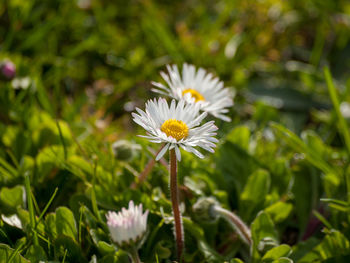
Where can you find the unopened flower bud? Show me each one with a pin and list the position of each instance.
(8, 70)
(204, 209)
(128, 227)
(125, 150)
(266, 244)
(209, 209)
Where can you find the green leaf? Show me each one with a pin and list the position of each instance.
(315, 143)
(209, 253)
(254, 192)
(262, 228)
(65, 223)
(235, 165)
(80, 165)
(305, 191)
(49, 158)
(277, 252)
(50, 225)
(36, 253)
(105, 248)
(65, 243)
(304, 247)
(119, 257)
(334, 243)
(240, 136)
(162, 251)
(337, 204)
(299, 146)
(11, 198)
(6, 252)
(279, 211)
(343, 127)
(24, 217)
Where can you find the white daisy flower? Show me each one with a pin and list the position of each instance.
(127, 226)
(176, 126)
(196, 86)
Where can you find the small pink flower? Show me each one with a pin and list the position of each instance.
(128, 225)
(8, 69)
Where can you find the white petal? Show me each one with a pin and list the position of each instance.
(162, 152)
(178, 153)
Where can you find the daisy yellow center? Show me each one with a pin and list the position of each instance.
(174, 128)
(195, 94)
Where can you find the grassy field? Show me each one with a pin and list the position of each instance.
(81, 67)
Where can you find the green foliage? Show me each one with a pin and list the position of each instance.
(282, 164)
(7, 254)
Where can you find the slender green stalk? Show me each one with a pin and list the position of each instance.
(46, 207)
(8, 167)
(62, 140)
(148, 168)
(81, 210)
(174, 192)
(14, 253)
(31, 209)
(134, 255)
(13, 158)
(343, 128)
(93, 195)
(35, 203)
(64, 256)
(242, 230)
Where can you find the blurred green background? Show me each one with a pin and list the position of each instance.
(106, 53)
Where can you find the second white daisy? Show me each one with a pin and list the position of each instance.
(199, 86)
(176, 126)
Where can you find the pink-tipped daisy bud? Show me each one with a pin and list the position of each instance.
(8, 70)
(204, 209)
(128, 226)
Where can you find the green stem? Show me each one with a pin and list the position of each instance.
(31, 209)
(134, 255)
(174, 192)
(240, 227)
(93, 194)
(343, 128)
(148, 168)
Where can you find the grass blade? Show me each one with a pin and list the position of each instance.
(298, 145)
(343, 128)
(31, 209)
(46, 207)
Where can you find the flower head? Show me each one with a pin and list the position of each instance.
(176, 126)
(196, 86)
(8, 69)
(128, 226)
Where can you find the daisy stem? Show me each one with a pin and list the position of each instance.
(241, 228)
(174, 192)
(147, 170)
(134, 255)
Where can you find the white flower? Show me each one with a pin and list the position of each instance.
(128, 225)
(176, 126)
(196, 86)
